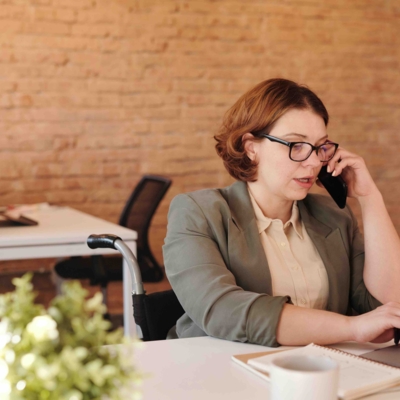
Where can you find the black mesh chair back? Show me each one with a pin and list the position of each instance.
(137, 215)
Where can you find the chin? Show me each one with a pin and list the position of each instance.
(299, 195)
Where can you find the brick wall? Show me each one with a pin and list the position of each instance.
(95, 93)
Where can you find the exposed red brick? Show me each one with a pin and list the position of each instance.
(94, 94)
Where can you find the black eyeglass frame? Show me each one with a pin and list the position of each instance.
(292, 144)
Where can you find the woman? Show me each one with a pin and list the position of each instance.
(263, 261)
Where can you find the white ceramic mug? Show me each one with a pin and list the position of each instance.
(304, 378)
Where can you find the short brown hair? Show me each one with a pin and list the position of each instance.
(256, 111)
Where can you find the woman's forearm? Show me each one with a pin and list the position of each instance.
(300, 326)
(382, 250)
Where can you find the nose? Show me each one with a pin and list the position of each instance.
(313, 160)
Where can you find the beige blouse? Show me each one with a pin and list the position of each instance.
(295, 265)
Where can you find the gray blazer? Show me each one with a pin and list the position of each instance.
(218, 269)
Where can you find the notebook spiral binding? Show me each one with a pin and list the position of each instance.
(354, 356)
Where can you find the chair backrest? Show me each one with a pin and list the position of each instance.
(156, 313)
(142, 204)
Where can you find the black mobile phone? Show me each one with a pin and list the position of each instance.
(335, 185)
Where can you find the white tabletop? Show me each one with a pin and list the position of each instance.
(58, 225)
(202, 369)
(62, 232)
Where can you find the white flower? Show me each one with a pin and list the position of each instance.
(3, 326)
(4, 339)
(16, 339)
(9, 356)
(5, 386)
(20, 385)
(3, 369)
(5, 336)
(5, 389)
(43, 328)
(27, 360)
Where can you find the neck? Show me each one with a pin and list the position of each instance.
(271, 206)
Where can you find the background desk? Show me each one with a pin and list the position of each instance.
(62, 232)
(202, 369)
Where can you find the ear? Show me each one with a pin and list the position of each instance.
(250, 146)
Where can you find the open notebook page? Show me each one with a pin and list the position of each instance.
(357, 377)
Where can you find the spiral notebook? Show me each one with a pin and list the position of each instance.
(357, 376)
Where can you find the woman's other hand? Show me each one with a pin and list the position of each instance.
(377, 325)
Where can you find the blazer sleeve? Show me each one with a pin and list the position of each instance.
(206, 288)
(361, 299)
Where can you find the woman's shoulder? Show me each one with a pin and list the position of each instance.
(204, 198)
(211, 201)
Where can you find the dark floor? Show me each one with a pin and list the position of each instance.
(46, 290)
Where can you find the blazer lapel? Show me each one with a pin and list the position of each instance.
(248, 261)
(246, 254)
(330, 247)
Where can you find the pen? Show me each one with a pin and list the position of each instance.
(396, 336)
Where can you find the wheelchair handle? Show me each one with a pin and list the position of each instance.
(114, 242)
(102, 241)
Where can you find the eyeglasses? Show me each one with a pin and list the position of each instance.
(300, 151)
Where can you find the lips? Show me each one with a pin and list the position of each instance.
(305, 182)
(306, 179)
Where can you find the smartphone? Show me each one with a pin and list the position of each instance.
(335, 185)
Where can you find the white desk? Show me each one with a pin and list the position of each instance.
(202, 369)
(62, 232)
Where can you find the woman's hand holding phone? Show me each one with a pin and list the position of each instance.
(353, 170)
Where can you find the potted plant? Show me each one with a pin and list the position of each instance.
(61, 353)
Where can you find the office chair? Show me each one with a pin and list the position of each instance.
(137, 215)
(156, 313)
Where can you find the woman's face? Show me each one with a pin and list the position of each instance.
(277, 173)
